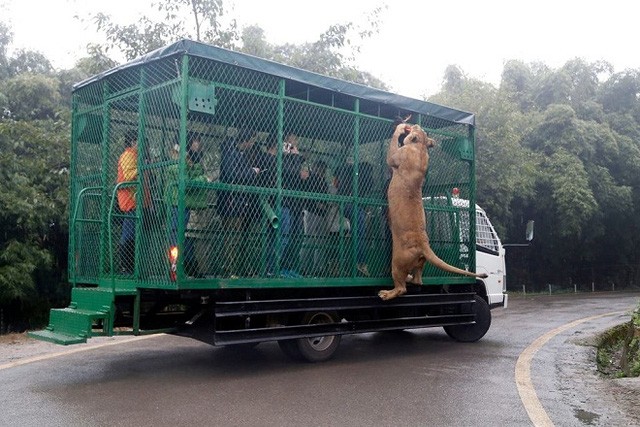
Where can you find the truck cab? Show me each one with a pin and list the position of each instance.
(489, 254)
(490, 259)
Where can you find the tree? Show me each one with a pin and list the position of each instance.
(620, 93)
(31, 96)
(572, 202)
(505, 169)
(28, 61)
(454, 79)
(96, 62)
(584, 79)
(554, 88)
(206, 16)
(254, 42)
(5, 40)
(332, 54)
(324, 56)
(560, 147)
(517, 81)
(33, 216)
(147, 34)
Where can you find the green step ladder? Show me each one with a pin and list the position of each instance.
(75, 324)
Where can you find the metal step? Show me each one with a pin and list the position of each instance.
(56, 337)
(74, 324)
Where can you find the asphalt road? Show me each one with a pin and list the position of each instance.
(416, 378)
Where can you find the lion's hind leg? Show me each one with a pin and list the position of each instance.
(399, 286)
(404, 261)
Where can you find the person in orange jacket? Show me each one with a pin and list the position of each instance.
(127, 172)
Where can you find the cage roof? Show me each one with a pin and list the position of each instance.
(243, 60)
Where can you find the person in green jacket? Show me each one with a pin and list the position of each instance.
(194, 198)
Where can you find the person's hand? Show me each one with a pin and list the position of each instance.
(304, 173)
(256, 170)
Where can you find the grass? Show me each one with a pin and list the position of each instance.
(618, 353)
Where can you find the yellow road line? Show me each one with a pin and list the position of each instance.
(73, 351)
(527, 392)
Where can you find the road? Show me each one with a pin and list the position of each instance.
(416, 378)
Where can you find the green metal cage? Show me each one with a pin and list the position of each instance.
(240, 208)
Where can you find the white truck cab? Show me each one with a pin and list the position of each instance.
(490, 259)
(490, 252)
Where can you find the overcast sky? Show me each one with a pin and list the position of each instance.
(418, 39)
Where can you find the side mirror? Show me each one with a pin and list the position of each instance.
(529, 231)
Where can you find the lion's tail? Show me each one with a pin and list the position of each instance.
(433, 259)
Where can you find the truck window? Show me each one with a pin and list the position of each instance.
(485, 235)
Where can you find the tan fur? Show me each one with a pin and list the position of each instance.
(411, 249)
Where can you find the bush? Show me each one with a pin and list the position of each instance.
(618, 352)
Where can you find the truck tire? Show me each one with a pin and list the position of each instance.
(472, 333)
(313, 349)
(319, 349)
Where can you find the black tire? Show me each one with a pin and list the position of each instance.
(472, 333)
(313, 349)
(319, 349)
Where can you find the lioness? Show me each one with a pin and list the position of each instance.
(411, 249)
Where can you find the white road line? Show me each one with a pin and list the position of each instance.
(73, 351)
(527, 392)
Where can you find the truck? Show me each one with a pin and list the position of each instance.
(253, 208)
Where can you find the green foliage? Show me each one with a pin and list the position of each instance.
(572, 203)
(618, 352)
(505, 168)
(33, 214)
(18, 262)
(30, 97)
(31, 62)
(206, 19)
(561, 147)
(97, 62)
(620, 92)
(6, 36)
(333, 54)
(146, 34)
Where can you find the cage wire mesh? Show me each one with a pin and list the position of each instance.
(242, 174)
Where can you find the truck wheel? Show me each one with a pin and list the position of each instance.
(313, 349)
(472, 333)
(319, 349)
